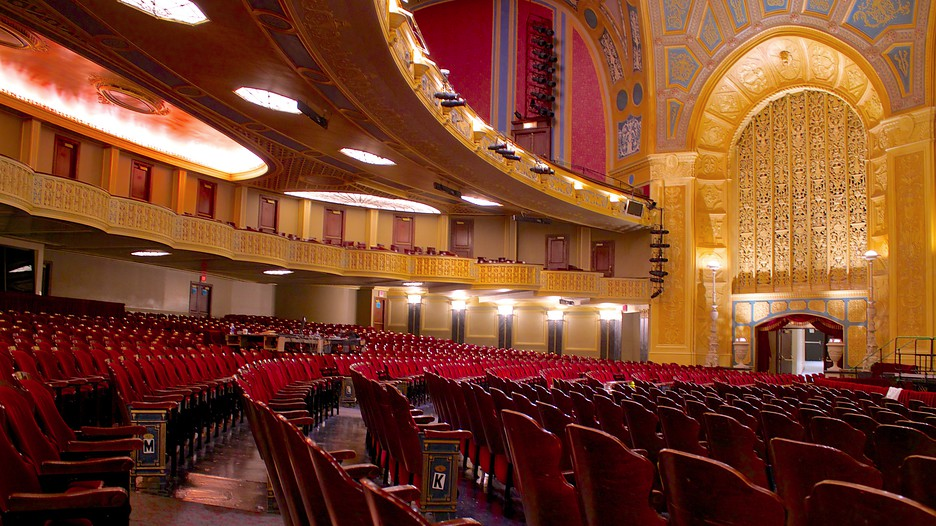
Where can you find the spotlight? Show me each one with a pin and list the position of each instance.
(543, 43)
(659, 245)
(541, 168)
(545, 68)
(542, 55)
(658, 260)
(651, 204)
(498, 146)
(544, 30)
(506, 151)
(452, 103)
(538, 95)
(659, 231)
(512, 157)
(656, 293)
(518, 115)
(545, 81)
(445, 95)
(659, 273)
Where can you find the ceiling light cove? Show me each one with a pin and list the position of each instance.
(367, 201)
(479, 201)
(367, 157)
(181, 11)
(268, 99)
(277, 272)
(150, 253)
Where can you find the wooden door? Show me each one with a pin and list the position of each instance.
(377, 313)
(205, 199)
(65, 159)
(462, 237)
(602, 257)
(403, 231)
(333, 231)
(557, 252)
(200, 299)
(269, 212)
(140, 181)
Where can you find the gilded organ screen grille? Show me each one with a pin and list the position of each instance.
(802, 197)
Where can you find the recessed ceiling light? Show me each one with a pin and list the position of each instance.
(277, 272)
(368, 201)
(182, 11)
(367, 157)
(412, 283)
(150, 253)
(268, 99)
(480, 201)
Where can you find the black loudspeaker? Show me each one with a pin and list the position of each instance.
(307, 110)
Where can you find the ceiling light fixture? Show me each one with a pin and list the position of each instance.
(412, 283)
(368, 201)
(479, 201)
(150, 253)
(277, 272)
(268, 99)
(367, 157)
(181, 11)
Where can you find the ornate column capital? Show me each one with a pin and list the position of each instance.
(672, 166)
(903, 129)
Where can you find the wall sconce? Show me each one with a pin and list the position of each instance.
(505, 309)
(414, 299)
(555, 315)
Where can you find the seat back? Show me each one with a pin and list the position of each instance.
(680, 431)
(848, 504)
(798, 466)
(612, 482)
(310, 491)
(584, 410)
(893, 444)
(734, 444)
(704, 491)
(918, 479)
(779, 425)
(344, 497)
(611, 418)
(48, 414)
(19, 474)
(841, 435)
(548, 500)
(555, 421)
(642, 426)
(23, 429)
(387, 510)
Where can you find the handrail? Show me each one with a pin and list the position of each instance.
(896, 353)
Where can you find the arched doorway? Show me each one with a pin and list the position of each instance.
(777, 348)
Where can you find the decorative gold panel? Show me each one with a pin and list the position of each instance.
(672, 303)
(493, 275)
(259, 246)
(802, 197)
(910, 245)
(377, 263)
(447, 268)
(575, 283)
(129, 217)
(67, 199)
(16, 183)
(857, 311)
(194, 233)
(637, 289)
(313, 256)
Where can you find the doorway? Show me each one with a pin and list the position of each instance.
(557, 253)
(795, 344)
(461, 241)
(602, 257)
(200, 300)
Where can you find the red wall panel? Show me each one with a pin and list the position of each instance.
(587, 115)
(459, 36)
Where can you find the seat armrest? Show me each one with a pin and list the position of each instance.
(465, 521)
(120, 431)
(404, 492)
(343, 454)
(423, 419)
(302, 421)
(415, 412)
(165, 406)
(435, 426)
(569, 476)
(295, 413)
(100, 465)
(361, 471)
(98, 498)
(458, 434)
(283, 406)
(97, 446)
(164, 398)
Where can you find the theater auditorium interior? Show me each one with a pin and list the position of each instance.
(394, 262)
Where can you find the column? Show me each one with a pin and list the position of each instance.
(29, 143)
(555, 319)
(458, 321)
(109, 170)
(505, 326)
(413, 313)
(179, 183)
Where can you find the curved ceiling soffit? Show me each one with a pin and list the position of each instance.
(691, 39)
(777, 63)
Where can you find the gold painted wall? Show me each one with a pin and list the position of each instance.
(151, 288)
(395, 312)
(10, 131)
(531, 239)
(529, 330)
(481, 325)
(322, 303)
(436, 316)
(490, 236)
(582, 333)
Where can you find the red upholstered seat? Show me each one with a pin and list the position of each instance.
(388, 510)
(642, 426)
(735, 444)
(841, 435)
(681, 431)
(779, 425)
(918, 479)
(798, 466)
(848, 504)
(613, 483)
(548, 500)
(893, 444)
(704, 491)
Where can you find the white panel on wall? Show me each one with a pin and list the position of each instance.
(143, 287)
(320, 303)
(396, 314)
(436, 317)
(481, 325)
(529, 330)
(582, 333)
